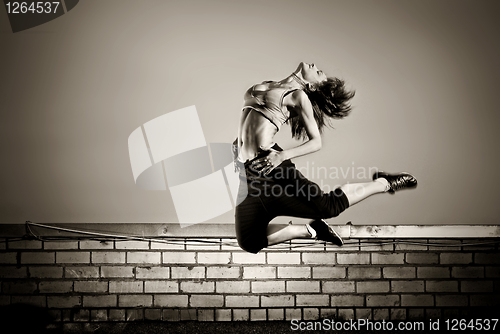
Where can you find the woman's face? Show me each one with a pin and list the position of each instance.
(311, 73)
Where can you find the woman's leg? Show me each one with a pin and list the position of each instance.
(357, 192)
(277, 234)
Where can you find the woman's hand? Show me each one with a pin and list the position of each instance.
(269, 162)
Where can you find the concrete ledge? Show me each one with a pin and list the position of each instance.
(166, 230)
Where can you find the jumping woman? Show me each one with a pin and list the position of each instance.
(270, 185)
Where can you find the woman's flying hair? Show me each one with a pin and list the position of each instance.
(329, 99)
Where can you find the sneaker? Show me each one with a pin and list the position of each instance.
(325, 232)
(397, 181)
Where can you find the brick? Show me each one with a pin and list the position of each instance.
(268, 287)
(487, 258)
(485, 300)
(416, 314)
(20, 287)
(445, 245)
(206, 301)
(230, 245)
(258, 315)
(214, 258)
(39, 301)
(372, 286)
(346, 314)
(417, 300)
(223, 272)
(8, 258)
(135, 315)
(198, 287)
(347, 300)
(329, 272)
(370, 245)
(118, 271)
(277, 300)
(382, 300)
(95, 244)
(13, 272)
(467, 272)
(60, 245)
(131, 244)
(364, 272)
(490, 271)
(205, 315)
(294, 272)
(338, 287)
(283, 258)
(310, 313)
(126, 287)
(152, 272)
(3, 243)
(427, 258)
(108, 257)
(259, 272)
(171, 300)
(349, 246)
(276, 314)
(81, 272)
(168, 246)
(38, 257)
(356, 258)
(302, 286)
(81, 315)
(144, 257)
(433, 272)
(293, 313)
(4, 300)
(55, 287)
(242, 301)
(171, 315)
(152, 314)
(476, 286)
(319, 258)
(91, 286)
(100, 301)
(116, 315)
(98, 315)
(328, 313)
(241, 315)
(161, 286)
(222, 315)
(433, 313)
(398, 314)
(410, 244)
(441, 286)
(135, 300)
(203, 246)
(73, 257)
(388, 258)
(46, 272)
(25, 244)
(248, 258)
(455, 258)
(232, 287)
(407, 286)
(398, 272)
(380, 314)
(451, 300)
(363, 313)
(63, 301)
(188, 272)
(313, 300)
(179, 257)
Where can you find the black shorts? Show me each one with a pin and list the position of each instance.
(284, 192)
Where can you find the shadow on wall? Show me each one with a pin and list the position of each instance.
(23, 318)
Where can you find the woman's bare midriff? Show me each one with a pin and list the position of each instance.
(256, 131)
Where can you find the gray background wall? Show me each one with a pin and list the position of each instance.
(425, 73)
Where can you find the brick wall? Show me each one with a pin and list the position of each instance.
(91, 281)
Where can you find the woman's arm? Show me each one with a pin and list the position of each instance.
(303, 107)
(305, 112)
